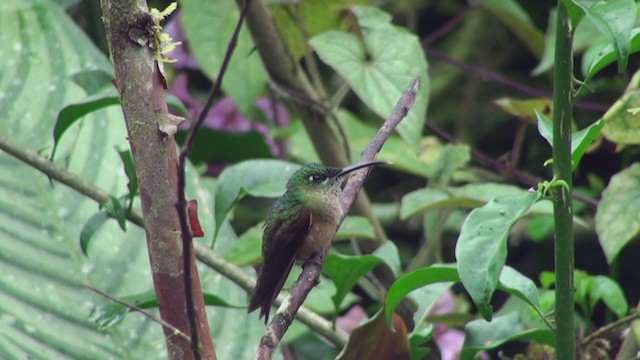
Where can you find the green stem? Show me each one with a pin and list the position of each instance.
(564, 249)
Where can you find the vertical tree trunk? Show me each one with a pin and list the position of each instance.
(140, 84)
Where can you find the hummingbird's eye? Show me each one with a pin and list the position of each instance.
(317, 178)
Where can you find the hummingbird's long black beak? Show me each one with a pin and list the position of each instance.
(351, 168)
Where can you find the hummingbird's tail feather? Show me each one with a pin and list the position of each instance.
(278, 261)
(266, 291)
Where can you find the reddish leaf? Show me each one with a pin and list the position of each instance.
(375, 340)
(192, 212)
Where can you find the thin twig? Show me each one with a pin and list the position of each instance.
(312, 266)
(135, 308)
(523, 177)
(629, 318)
(446, 28)
(516, 148)
(501, 79)
(181, 204)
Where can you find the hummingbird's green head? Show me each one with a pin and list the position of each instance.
(320, 178)
(314, 177)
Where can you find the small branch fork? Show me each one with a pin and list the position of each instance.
(311, 268)
(187, 236)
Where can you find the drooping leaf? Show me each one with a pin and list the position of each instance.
(75, 111)
(580, 140)
(108, 96)
(614, 19)
(116, 209)
(524, 108)
(415, 280)
(345, 271)
(606, 54)
(130, 171)
(606, 289)
(585, 36)
(549, 54)
(621, 121)
(617, 222)
(481, 249)
(379, 65)
(545, 127)
(90, 227)
(482, 335)
(513, 282)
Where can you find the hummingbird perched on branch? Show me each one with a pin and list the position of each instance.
(299, 224)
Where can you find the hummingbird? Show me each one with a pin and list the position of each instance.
(298, 224)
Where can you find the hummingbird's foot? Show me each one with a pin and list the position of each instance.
(313, 260)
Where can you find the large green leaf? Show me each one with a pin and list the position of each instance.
(345, 271)
(510, 281)
(379, 65)
(41, 288)
(621, 121)
(208, 26)
(614, 19)
(580, 140)
(604, 55)
(606, 289)
(481, 250)
(482, 335)
(617, 221)
(44, 309)
(298, 22)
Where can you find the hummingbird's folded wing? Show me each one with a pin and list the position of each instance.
(278, 260)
